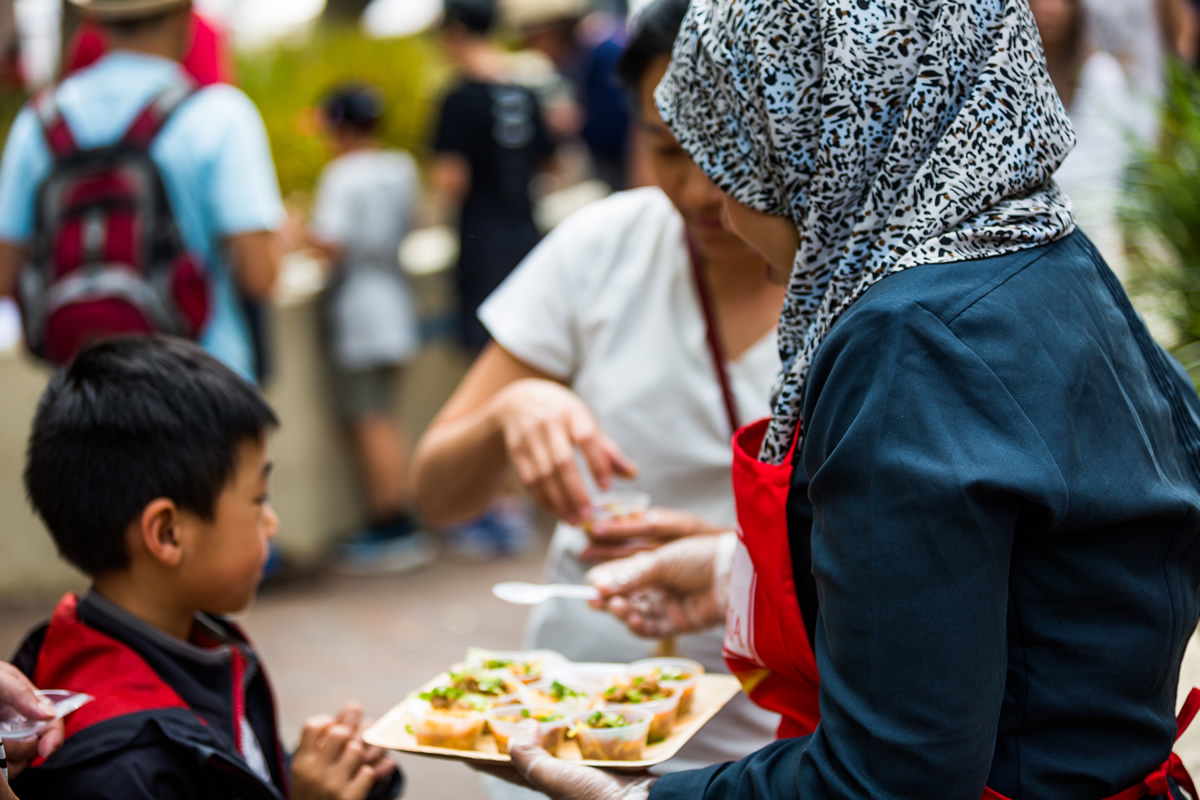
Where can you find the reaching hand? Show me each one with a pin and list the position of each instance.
(561, 780)
(351, 715)
(16, 691)
(332, 762)
(544, 423)
(618, 538)
(669, 591)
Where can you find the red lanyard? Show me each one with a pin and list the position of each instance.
(713, 334)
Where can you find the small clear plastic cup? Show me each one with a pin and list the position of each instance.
(666, 670)
(455, 729)
(665, 710)
(527, 666)
(619, 505)
(570, 691)
(552, 724)
(625, 743)
(14, 726)
(495, 696)
(663, 713)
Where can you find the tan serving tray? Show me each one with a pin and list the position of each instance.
(712, 693)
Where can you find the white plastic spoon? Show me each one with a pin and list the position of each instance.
(530, 594)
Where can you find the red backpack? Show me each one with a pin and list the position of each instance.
(107, 257)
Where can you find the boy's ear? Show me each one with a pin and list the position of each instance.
(159, 529)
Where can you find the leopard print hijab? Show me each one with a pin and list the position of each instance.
(891, 132)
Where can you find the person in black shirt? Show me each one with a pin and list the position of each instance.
(491, 140)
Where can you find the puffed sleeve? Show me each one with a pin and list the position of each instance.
(919, 464)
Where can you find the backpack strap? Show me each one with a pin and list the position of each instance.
(59, 138)
(147, 125)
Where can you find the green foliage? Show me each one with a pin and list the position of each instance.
(287, 82)
(1163, 221)
(11, 100)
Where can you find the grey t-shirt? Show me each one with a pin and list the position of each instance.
(365, 203)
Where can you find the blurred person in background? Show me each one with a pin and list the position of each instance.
(491, 141)
(365, 202)
(1104, 112)
(212, 153)
(584, 47)
(638, 335)
(207, 57)
(1184, 22)
(1134, 32)
(208, 60)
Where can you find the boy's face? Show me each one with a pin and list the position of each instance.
(224, 564)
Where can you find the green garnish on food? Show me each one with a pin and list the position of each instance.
(498, 663)
(639, 690)
(476, 701)
(673, 675)
(478, 683)
(607, 719)
(559, 692)
(491, 686)
(541, 716)
(442, 693)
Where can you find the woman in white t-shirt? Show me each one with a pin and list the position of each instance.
(601, 356)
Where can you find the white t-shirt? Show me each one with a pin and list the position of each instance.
(365, 203)
(1093, 174)
(607, 303)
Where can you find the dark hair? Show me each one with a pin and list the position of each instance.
(130, 420)
(651, 35)
(477, 16)
(355, 106)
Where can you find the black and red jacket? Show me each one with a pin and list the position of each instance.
(167, 721)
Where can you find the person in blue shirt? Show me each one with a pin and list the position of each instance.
(970, 532)
(213, 155)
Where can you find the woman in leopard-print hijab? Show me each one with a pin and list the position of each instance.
(883, 154)
(969, 549)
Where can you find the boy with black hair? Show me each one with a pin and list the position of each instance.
(148, 463)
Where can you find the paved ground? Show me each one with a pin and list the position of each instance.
(329, 639)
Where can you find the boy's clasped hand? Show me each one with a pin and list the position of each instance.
(333, 763)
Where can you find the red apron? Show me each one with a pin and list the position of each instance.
(767, 644)
(766, 641)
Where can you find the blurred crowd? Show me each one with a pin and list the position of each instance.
(535, 105)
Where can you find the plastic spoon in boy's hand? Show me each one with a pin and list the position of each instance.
(15, 726)
(528, 594)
